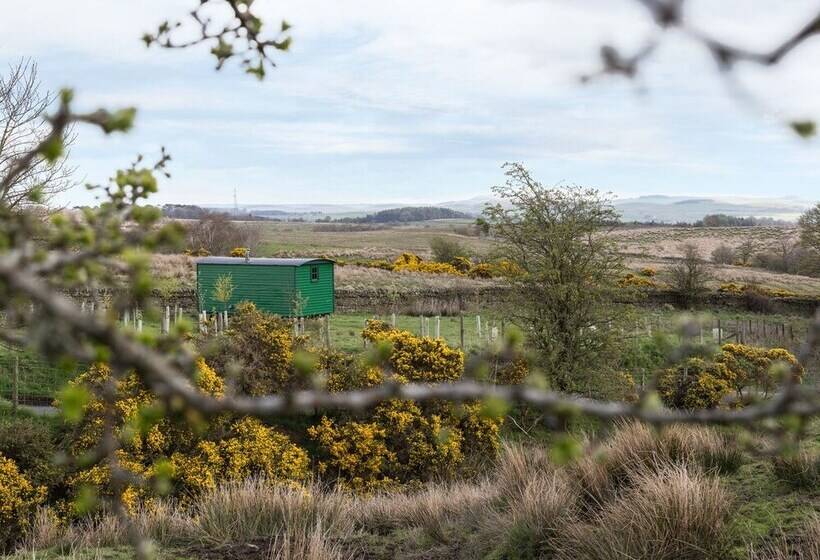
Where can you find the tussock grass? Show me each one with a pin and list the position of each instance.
(255, 509)
(671, 514)
(639, 494)
(437, 509)
(799, 470)
(803, 546)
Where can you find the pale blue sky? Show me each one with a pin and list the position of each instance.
(423, 101)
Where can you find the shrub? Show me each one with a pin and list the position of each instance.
(240, 252)
(30, 444)
(750, 365)
(218, 234)
(695, 383)
(461, 264)
(636, 281)
(732, 288)
(800, 469)
(723, 254)
(414, 358)
(251, 450)
(648, 271)
(446, 250)
(413, 263)
(346, 372)
(225, 449)
(402, 442)
(689, 275)
(480, 270)
(259, 347)
(19, 499)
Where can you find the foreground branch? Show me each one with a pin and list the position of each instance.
(166, 378)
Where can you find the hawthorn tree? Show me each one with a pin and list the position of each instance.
(567, 272)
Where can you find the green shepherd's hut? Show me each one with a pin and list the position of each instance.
(285, 287)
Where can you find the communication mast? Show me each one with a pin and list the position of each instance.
(235, 203)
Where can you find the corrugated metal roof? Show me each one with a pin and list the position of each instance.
(258, 261)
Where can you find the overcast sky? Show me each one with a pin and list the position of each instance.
(423, 101)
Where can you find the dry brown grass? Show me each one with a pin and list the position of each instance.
(673, 514)
(638, 495)
(667, 241)
(366, 279)
(255, 509)
(803, 546)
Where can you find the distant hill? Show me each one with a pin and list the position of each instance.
(408, 214)
(648, 208)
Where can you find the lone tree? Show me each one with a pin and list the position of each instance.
(567, 270)
(689, 275)
(22, 127)
(809, 224)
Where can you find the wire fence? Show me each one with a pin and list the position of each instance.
(29, 380)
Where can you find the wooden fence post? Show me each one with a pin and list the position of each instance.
(478, 325)
(15, 384)
(438, 326)
(166, 320)
(461, 329)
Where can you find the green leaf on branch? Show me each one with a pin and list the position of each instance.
(565, 448)
(120, 121)
(73, 400)
(52, 149)
(804, 129)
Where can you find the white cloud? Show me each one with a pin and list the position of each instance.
(460, 81)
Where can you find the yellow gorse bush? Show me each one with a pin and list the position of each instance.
(414, 263)
(253, 449)
(414, 358)
(18, 501)
(264, 345)
(402, 442)
(738, 289)
(199, 455)
(636, 281)
(698, 383)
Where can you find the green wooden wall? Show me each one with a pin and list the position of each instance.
(273, 289)
(317, 294)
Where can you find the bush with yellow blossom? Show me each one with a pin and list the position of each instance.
(18, 502)
(403, 442)
(414, 358)
(760, 367)
(695, 383)
(193, 456)
(413, 263)
(701, 383)
(258, 345)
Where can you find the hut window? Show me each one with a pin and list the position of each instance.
(314, 273)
